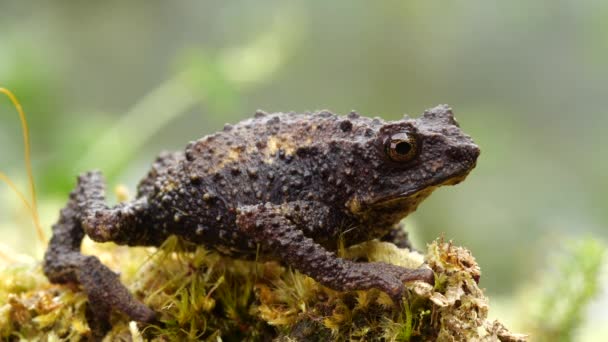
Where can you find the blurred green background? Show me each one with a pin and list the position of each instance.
(108, 85)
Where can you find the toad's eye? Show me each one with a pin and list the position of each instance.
(401, 147)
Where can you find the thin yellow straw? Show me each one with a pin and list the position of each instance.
(19, 194)
(28, 166)
(6, 257)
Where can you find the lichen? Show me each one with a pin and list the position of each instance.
(199, 294)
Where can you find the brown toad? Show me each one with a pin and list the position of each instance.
(279, 186)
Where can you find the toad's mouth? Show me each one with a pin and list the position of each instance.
(412, 195)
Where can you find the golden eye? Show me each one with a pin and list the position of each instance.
(401, 147)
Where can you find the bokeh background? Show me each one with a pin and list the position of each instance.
(108, 85)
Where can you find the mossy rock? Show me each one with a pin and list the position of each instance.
(201, 295)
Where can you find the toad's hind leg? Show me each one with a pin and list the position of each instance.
(273, 228)
(63, 262)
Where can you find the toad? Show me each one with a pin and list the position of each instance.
(282, 186)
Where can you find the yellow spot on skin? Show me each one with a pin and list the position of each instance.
(233, 155)
(273, 145)
(169, 187)
(354, 205)
(276, 143)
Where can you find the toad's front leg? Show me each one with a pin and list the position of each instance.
(86, 212)
(274, 228)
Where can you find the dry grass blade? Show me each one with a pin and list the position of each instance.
(32, 206)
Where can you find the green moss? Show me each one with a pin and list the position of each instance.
(561, 296)
(201, 295)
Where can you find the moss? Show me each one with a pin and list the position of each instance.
(201, 295)
(558, 300)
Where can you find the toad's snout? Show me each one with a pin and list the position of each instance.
(465, 153)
